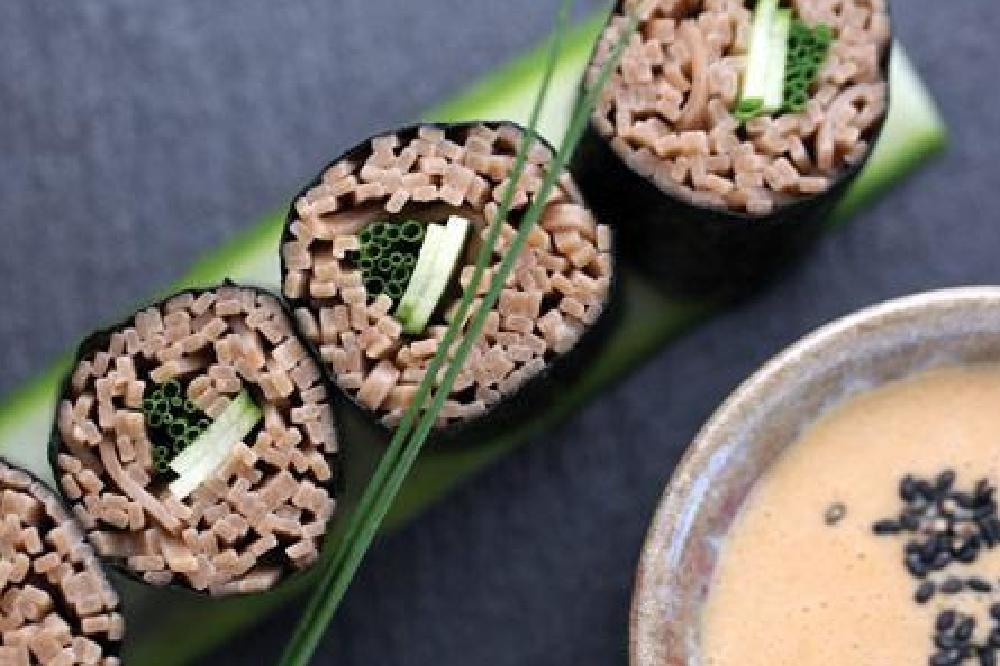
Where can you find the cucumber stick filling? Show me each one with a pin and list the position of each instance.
(209, 451)
(774, 90)
(763, 81)
(436, 262)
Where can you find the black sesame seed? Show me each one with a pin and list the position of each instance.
(944, 481)
(885, 527)
(835, 513)
(945, 620)
(985, 510)
(930, 550)
(945, 641)
(916, 566)
(964, 500)
(941, 560)
(946, 658)
(925, 490)
(985, 534)
(924, 592)
(968, 552)
(909, 521)
(963, 631)
(951, 585)
(978, 584)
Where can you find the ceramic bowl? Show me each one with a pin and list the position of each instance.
(760, 419)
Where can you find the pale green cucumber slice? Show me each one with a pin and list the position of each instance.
(755, 78)
(421, 275)
(440, 264)
(213, 447)
(774, 87)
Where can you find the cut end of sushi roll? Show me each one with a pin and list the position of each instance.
(195, 443)
(57, 605)
(745, 105)
(380, 246)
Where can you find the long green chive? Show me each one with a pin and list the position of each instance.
(400, 456)
(172, 388)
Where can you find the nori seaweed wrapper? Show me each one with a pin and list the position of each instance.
(690, 250)
(334, 486)
(360, 424)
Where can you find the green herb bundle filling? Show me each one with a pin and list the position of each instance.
(388, 256)
(807, 51)
(174, 422)
(783, 60)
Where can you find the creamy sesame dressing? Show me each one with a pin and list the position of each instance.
(872, 540)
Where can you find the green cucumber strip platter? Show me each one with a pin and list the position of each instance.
(174, 627)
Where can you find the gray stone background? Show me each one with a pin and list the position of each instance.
(136, 133)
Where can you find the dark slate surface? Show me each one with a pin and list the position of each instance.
(136, 133)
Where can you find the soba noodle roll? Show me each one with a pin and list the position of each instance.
(716, 180)
(196, 444)
(57, 608)
(379, 247)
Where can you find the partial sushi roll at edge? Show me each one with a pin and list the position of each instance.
(57, 607)
(379, 247)
(196, 444)
(731, 128)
